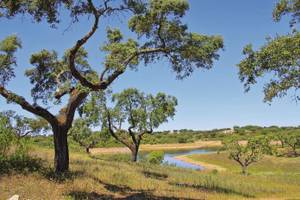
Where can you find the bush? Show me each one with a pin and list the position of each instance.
(182, 140)
(6, 137)
(155, 157)
(22, 147)
(13, 151)
(20, 164)
(18, 159)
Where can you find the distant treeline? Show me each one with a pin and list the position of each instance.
(180, 136)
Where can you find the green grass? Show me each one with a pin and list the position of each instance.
(279, 175)
(113, 177)
(268, 165)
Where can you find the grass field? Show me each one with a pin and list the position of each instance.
(280, 174)
(97, 178)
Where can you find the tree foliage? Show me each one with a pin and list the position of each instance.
(6, 135)
(8, 47)
(287, 7)
(278, 58)
(51, 77)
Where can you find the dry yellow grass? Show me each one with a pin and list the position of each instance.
(98, 179)
(93, 179)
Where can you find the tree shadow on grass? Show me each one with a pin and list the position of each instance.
(149, 196)
(214, 188)
(20, 164)
(122, 189)
(27, 164)
(155, 175)
(51, 175)
(127, 192)
(77, 195)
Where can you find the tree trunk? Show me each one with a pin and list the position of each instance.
(87, 149)
(61, 157)
(134, 152)
(244, 170)
(294, 151)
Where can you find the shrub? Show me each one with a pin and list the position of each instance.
(6, 137)
(22, 148)
(155, 157)
(20, 164)
(182, 139)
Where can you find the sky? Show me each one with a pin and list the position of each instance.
(206, 100)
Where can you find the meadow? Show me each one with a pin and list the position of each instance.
(280, 174)
(115, 177)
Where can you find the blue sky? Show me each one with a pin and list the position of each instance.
(207, 99)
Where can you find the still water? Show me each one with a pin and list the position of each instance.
(170, 159)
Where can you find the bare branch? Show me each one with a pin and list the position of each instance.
(97, 14)
(79, 44)
(35, 109)
(115, 74)
(112, 132)
(103, 74)
(25, 134)
(59, 95)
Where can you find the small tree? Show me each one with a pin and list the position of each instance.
(83, 135)
(18, 127)
(246, 154)
(6, 135)
(292, 140)
(141, 113)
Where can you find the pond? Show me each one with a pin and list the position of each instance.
(170, 159)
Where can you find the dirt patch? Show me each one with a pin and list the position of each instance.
(206, 166)
(111, 150)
